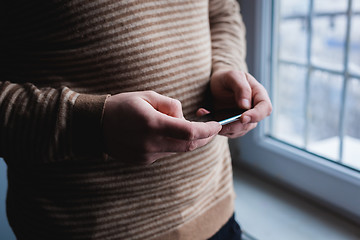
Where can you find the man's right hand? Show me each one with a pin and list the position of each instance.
(141, 127)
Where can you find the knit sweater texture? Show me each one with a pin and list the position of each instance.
(60, 59)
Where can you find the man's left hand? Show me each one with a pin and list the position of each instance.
(232, 88)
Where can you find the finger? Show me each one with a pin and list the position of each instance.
(176, 145)
(256, 114)
(241, 87)
(133, 158)
(262, 104)
(195, 144)
(152, 157)
(259, 93)
(237, 129)
(169, 106)
(185, 130)
(164, 145)
(201, 112)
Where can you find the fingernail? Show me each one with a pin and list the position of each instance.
(245, 103)
(246, 119)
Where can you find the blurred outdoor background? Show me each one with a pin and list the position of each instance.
(316, 78)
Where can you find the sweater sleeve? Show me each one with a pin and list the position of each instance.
(39, 125)
(227, 35)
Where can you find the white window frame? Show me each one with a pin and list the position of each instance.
(328, 183)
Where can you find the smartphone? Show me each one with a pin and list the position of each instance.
(223, 116)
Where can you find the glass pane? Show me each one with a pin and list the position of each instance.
(323, 114)
(294, 7)
(330, 6)
(354, 53)
(328, 42)
(292, 40)
(289, 122)
(356, 5)
(351, 150)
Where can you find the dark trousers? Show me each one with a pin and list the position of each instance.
(230, 231)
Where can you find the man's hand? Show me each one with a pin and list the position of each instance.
(141, 127)
(238, 89)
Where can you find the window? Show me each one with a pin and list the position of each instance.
(316, 78)
(307, 54)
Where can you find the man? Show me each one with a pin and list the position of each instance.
(95, 97)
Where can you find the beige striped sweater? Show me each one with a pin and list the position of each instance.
(59, 61)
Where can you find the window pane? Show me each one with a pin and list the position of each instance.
(354, 53)
(351, 152)
(321, 6)
(356, 5)
(292, 40)
(324, 114)
(328, 42)
(289, 125)
(294, 7)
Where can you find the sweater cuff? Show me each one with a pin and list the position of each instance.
(87, 126)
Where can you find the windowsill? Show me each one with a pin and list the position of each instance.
(268, 212)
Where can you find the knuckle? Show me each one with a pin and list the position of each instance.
(232, 74)
(190, 146)
(247, 75)
(251, 126)
(190, 133)
(250, 78)
(150, 93)
(177, 103)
